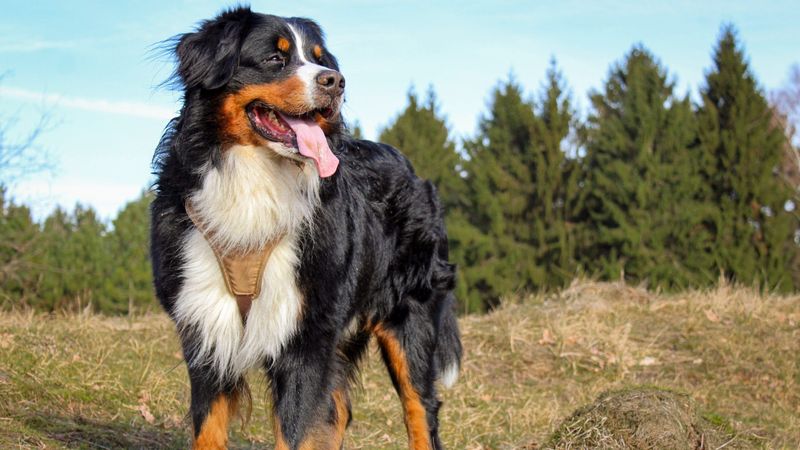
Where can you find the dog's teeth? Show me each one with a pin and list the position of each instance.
(274, 119)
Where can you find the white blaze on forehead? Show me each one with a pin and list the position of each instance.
(298, 40)
(307, 71)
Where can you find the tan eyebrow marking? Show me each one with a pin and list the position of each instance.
(317, 52)
(283, 44)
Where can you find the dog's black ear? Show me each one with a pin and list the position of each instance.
(209, 56)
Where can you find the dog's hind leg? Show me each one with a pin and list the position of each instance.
(407, 345)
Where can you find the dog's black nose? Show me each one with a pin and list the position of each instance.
(331, 82)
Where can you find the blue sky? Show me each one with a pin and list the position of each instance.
(90, 66)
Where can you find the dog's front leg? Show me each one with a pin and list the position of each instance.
(213, 405)
(301, 382)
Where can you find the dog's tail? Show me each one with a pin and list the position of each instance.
(448, 347)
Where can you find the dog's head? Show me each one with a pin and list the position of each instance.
(273, 82)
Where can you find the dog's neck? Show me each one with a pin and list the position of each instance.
(253, 197)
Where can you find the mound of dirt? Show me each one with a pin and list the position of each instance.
(642, 418)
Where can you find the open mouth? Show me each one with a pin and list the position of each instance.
(276, 126)
(302, 133)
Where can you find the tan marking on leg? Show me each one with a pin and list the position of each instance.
(214, 431)
(280, 442)
(415, 415)
(322, 435)
(329, 436)
(342, 415)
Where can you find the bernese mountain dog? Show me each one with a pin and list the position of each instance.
(282, 243)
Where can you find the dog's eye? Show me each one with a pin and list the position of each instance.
(276, 58)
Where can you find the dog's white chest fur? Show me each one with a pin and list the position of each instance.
(251, 199)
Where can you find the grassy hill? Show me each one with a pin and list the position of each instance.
(90, 381)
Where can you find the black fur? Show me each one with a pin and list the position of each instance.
(376, 251)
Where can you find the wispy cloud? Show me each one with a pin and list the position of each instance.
(125, 108)
(34, 45)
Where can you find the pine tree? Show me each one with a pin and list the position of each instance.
(130, 281)
(500, 259)
(639, 217)
(51, 290)
(76, 262)
(422, 135)
(555, 182)
(19, 238)
(740, 154)
(91, 261)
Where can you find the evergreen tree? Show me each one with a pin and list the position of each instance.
(73, 260)
(639, 216)
(91, 261)
(130, 280)
(740, 154)
(76, 262)
(555, 182)
(422, 135)
(19, 236)
(523, 192)
(500, 259)
(51, 289)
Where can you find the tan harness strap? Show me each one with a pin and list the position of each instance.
(242, 270)
(244, 302)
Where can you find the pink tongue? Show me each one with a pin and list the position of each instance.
(312, 144)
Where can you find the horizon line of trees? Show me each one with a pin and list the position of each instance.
(650, 187)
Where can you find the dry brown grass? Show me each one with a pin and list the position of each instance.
(97, 382)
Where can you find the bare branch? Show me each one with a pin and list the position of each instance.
(23, 157)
